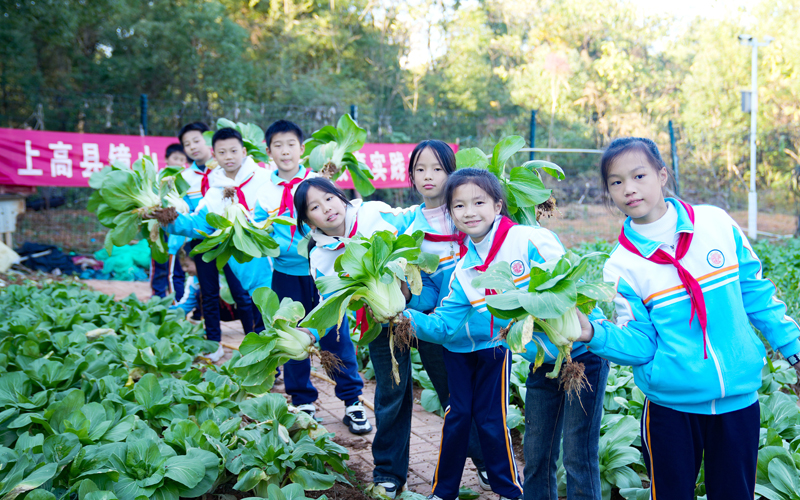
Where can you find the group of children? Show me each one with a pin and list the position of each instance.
(688, 288)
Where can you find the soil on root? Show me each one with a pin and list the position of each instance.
(329, 170)
(166, 216)
(546, 209)
(404, 335)
(573, 378)
(228, 192)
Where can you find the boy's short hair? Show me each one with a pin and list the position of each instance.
(198, 126)
(227, 133)
(282, 126)
(174, 148)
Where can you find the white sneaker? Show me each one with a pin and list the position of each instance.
(433, 497)
(216, 355)
(391, 489)
(356, 418)
(483, 480)
(308, 408)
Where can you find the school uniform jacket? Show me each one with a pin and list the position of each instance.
(267, 205)
(436, 285)
(653, 333)
(445, 325)
(364, 218)
(257, 272)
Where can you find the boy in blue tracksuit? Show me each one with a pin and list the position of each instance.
(688, 288)
(290, 275)
(169, 277)
(236, 171)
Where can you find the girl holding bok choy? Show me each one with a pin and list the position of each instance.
(234, 182)
(478, 363)
(689, 290)
(334, 219)
(430, 164)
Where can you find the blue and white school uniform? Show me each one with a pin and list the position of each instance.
(697, 359)
(367, 218)
(289, 275)
(478, 365)
(441, 239)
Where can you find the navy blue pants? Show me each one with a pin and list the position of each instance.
(208, 278)
(297, 374)
(167, 278)
(478, 384)
(674, 444)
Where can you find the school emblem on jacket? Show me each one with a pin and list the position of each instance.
(517, 268)
(715, 259)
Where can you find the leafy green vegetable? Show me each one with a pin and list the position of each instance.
(238, 237)
(368, 273)
(554, 292)
(329, 151)
(252, 137)
(523, 187)
(123, 196)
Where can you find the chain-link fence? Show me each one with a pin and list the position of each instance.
(58, 215)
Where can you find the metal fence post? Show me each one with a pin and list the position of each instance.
(533, 133)
(354, 112)
(674, 150)
(143, 110)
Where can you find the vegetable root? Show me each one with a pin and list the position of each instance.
(573, 379)
(329, 170)
(502, 335)
(229, 192)
(165, 216)
(331, 363)
(546, 209)
(404, 336)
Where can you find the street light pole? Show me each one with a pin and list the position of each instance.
(752, 196)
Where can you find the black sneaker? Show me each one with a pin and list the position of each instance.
(483, 480)
(355, 418)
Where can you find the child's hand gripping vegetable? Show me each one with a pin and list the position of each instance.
(551, 302)
(368, 279)
(127, 199)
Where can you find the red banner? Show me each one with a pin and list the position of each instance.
(37, 158)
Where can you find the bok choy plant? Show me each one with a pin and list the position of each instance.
(330, 152)
(528, 198)
(549, 303)
(237, 236)
(262, 353)
(124, 198)
(368, 275)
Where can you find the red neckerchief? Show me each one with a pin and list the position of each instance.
(240, 194)
(458, 236)
(287, 202)
(503, 228)
(692, 286)
(204, 184)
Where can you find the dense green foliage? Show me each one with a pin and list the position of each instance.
(101, 399)
(595, 69)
